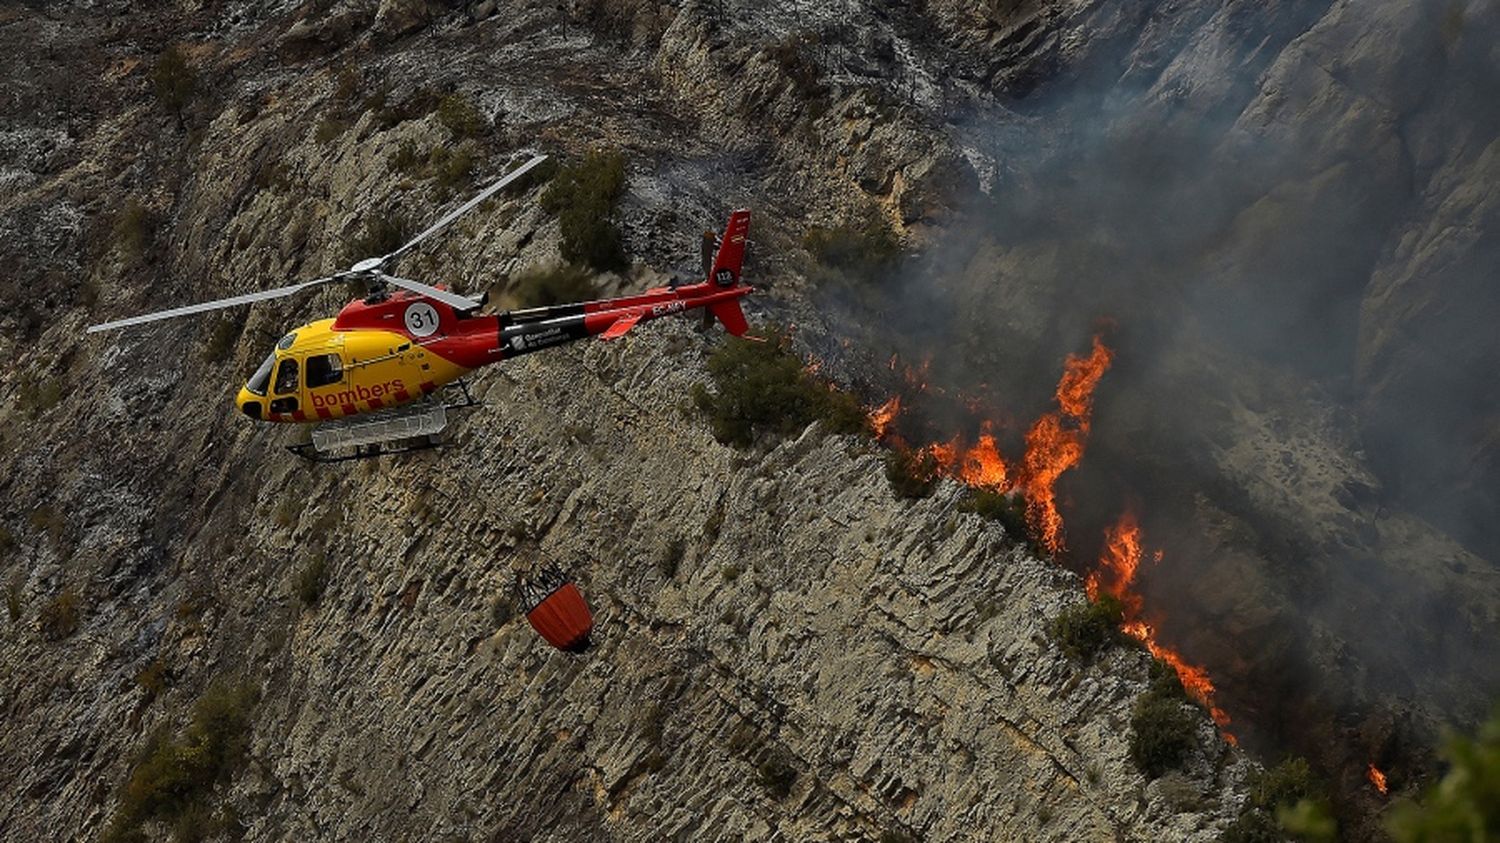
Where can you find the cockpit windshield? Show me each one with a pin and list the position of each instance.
(262, 377)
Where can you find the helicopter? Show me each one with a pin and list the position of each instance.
(368, 378)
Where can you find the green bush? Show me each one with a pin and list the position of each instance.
(549, 285)
(460, 116)
(38, 393)
(1286, 800)
(173, 778)
(452, 168)
(501, 611)
(13, 598)
(1085, 630)
(59, 618)
(173, 80)
(583, 194)
(536, 176)
(763, 387)
(133, 229)
(312, 581)
(223, 334)
(913, 474)
(862, 250)
(777, 775)
(671, 558)
(381, 235)
(153, 679)
(1007, 508)
(1162, 733)
(329, 128)
(1465, 804)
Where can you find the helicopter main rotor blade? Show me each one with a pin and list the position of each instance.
(453, 300)
(464, 208)
(217, 304)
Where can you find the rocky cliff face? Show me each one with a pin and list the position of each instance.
(1065, 160)
(777, 606)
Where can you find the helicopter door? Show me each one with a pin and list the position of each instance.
(286, 386)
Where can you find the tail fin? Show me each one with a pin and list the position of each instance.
(727, 263)
(731, 315)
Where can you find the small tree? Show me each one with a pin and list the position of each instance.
(173, 80)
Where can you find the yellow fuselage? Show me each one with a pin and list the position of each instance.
(318, 373)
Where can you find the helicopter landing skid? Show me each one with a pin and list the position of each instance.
(400, 430)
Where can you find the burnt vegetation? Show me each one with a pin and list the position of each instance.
(912, 473)
(764, 388)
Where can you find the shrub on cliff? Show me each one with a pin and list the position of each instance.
(461, 117)
(764, 387)
(1085, 630)
(1465, 804)
(913, 474)
(549, 285)
(174, 777)
(59, 618)
(583, 194)
(1161, 734)
(860, 250)
(1009, 509)
(1285, 800)
(173, 80)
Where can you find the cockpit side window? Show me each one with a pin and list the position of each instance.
(324, 369)
(262, 377)
(286, 376)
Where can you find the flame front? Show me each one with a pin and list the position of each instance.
(1119, 563)
(1054, 444)
(882, 416)
(1377, 778)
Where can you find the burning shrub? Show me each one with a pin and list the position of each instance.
(583, 195)
(551, 285)
(1088, 628)
(913, 474)
(763, 387)
(1161, 733)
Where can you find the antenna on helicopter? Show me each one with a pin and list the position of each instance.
(370, 270)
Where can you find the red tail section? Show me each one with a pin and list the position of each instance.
(731, 315)
(726, 272)
(731, 256)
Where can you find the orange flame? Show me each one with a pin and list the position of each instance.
(882, 416)
(1377, 778)
(1119, 563)
(1055, 443)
